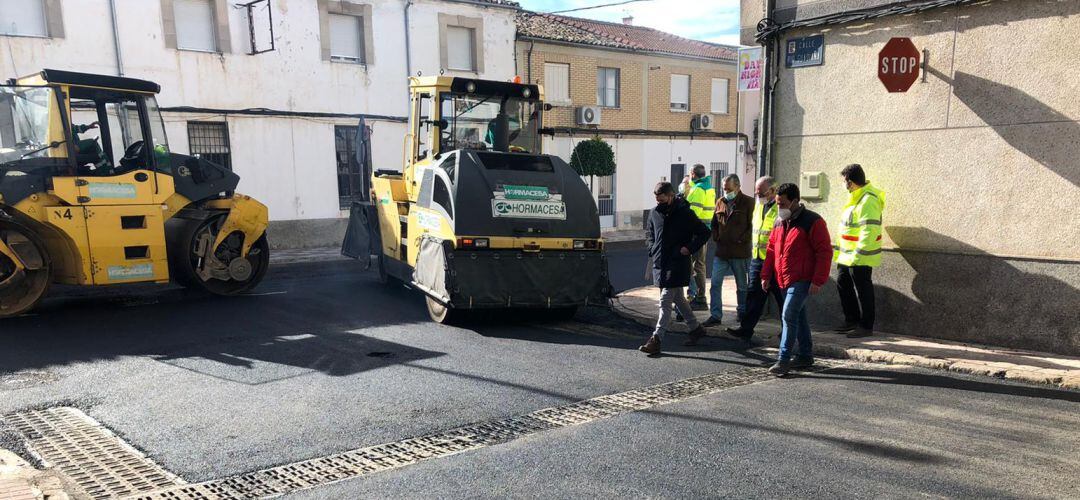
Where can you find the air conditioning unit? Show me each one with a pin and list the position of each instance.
(587, 115)
(701, 122)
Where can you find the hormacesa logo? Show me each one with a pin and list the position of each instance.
(503, 208)
(539, 209)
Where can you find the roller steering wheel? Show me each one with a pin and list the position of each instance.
(132, 155)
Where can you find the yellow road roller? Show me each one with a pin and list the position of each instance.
(90, 194)
(478, 217)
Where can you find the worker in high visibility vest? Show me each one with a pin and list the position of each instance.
(764, 219)
(702, 199)
(857, 251)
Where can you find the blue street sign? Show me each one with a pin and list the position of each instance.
(805, 51)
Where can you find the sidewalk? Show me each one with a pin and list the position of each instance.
(21, 481)
(640, 305)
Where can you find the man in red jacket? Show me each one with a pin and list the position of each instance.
(799, 257)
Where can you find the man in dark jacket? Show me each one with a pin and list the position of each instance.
(799, 257)
(673, 233)
(731, 230)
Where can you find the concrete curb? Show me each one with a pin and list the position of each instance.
(1066, 379)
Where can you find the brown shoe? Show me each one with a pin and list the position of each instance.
(695, 335)
(652, 346)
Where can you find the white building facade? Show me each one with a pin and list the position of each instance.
(271, 88)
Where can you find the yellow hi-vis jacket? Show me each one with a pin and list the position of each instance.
(859, 240)
(702, 199)
(763, 225)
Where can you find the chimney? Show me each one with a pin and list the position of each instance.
(628, 20)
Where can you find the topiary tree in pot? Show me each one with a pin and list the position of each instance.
(593, 157)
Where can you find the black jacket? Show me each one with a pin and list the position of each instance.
(669, 229)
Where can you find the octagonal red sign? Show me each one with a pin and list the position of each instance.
(898, 64)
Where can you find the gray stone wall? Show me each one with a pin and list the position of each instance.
(978, 163)
(1023, 304)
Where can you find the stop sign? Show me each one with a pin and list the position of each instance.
(898, 64)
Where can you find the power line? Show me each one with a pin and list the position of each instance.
(598, 6)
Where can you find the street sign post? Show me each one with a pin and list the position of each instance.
(898, 64)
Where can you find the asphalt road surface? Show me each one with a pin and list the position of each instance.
(322, 359)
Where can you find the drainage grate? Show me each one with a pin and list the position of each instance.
(102, 464)
(351, 464)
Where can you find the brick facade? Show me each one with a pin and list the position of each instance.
(644, 87)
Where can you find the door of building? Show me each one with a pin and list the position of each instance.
(604, 189)
(678, 171)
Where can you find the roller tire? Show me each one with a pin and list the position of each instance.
(442, 314)
(183, 262)
(19, 298)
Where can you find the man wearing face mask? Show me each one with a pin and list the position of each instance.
(702, 199)
(764, 219)
(858, 252)
(672, 234)
(731, 230)
(799, 257)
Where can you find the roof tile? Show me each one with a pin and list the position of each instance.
(615, 35)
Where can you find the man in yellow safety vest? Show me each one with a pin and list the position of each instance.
(702, 199)
(764, 218)
(857, 251)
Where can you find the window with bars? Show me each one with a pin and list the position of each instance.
(719, 170)
(210, 140)
(351, 185)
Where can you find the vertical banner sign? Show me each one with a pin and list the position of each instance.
(805, 51)
(750, 69)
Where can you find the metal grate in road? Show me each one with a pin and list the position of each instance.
(351, 464)
(93, 457)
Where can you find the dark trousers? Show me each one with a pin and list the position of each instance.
(756, 298)
(856, 288)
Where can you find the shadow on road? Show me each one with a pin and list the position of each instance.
(882, 450)
(599, 327)
(915, 378)
(297, 322)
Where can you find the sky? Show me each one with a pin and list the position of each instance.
(709, 20)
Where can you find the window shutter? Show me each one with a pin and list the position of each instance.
(195, 25)
(680, 92)
(557, 83)
(459, 51)
(345, 37)
(23, 17)
(720, 95)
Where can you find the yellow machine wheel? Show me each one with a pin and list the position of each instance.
(186, 261)
(22, 290)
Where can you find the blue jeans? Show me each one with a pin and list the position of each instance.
(721, 268)
(796, 324)
(756, 299)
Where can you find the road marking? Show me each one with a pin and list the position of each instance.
(360, 462)
(263, 294)
(101, 463)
